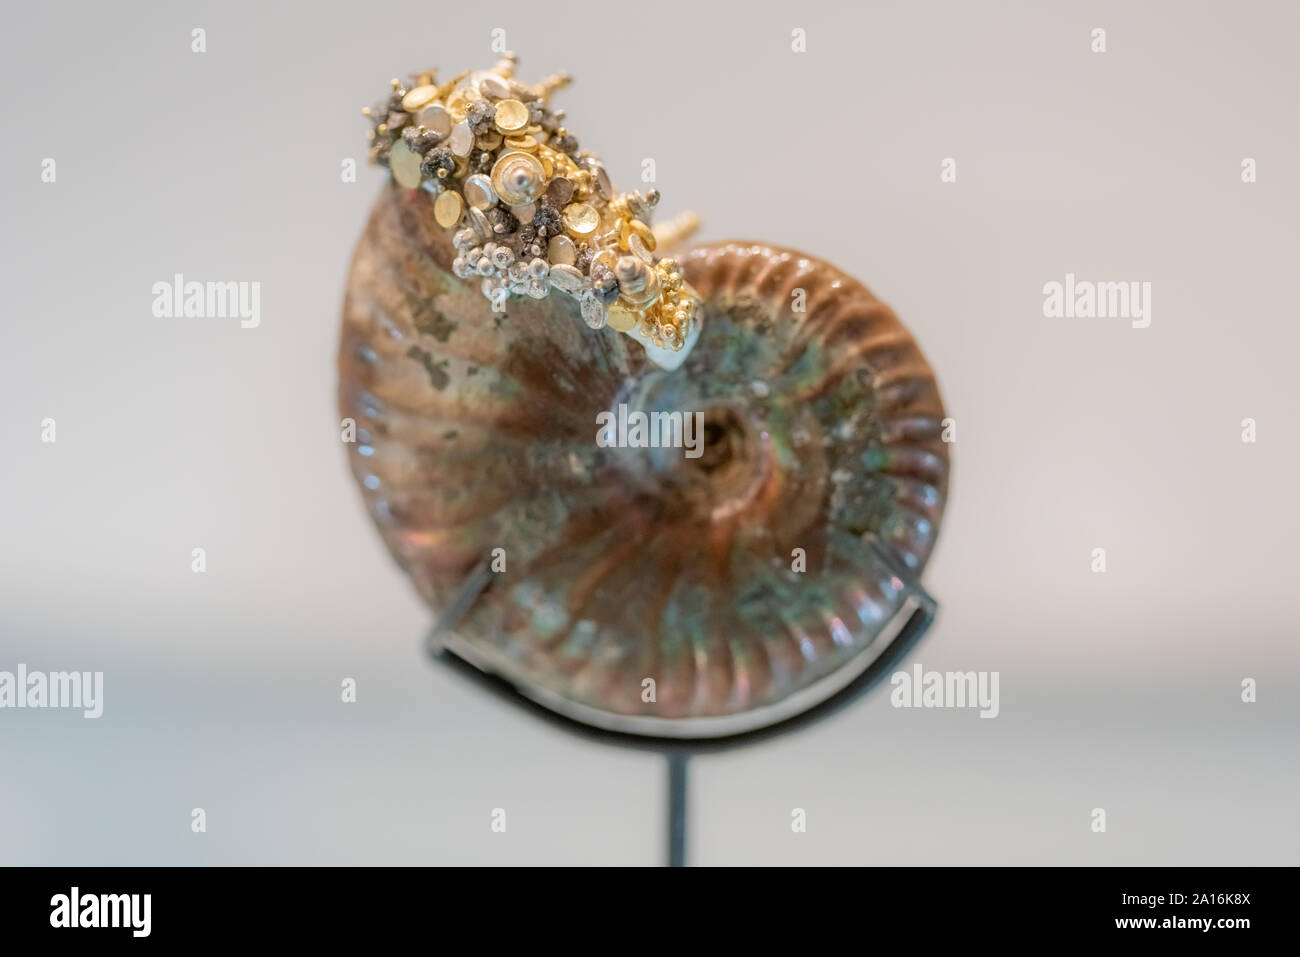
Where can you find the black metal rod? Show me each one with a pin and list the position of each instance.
(677, 798)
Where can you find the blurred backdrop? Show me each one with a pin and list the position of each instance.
(1119, 690)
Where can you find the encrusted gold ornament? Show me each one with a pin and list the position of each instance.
(531, 212)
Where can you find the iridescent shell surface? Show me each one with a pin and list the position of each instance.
(477, 431)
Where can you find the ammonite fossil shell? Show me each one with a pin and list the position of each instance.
(638, 589)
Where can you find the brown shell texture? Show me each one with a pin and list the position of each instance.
(638, 589)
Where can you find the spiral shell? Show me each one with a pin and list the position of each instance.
(744, 585)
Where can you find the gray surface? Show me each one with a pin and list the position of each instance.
(1118, 690)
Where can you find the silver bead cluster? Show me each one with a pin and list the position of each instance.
(504, 270)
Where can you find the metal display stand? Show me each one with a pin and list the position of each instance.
(677, 753)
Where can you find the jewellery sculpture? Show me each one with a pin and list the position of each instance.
(685, 589)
